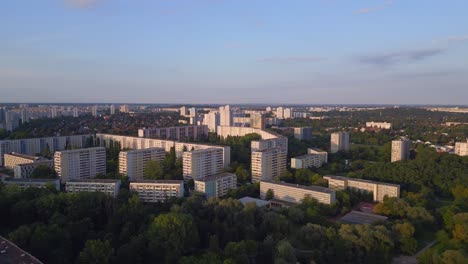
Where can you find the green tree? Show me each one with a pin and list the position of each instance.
(96, 252)
(154, 170)
(405, 232)
(172, 234)
(285, 252)
(242, 174)
(269, 194)
(47, 153)
(44, 172)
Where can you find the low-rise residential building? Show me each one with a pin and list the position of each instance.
(379, 125)
(33, 183)
(378, 189)
(315, 158)
(107, 186)
(216, 186)
(80, 163)
(258, 202)
(13, 159)
(153, 191)
(295, 193)
(25, 170)
(133, 162)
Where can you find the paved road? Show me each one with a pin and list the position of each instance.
(411, 259)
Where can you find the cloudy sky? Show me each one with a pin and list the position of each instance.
(234, 51)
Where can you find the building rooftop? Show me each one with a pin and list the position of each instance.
(39, 162)
(358, 180)
(29, 157)
(142, 150)
(29, 180)
(95, 180)
(81, 149)
(218, 176)
(12, 254)
(204, 150)
(356, 217)
(258, 202)
(305, 156)
(159, 181)
(311, 187)
(317, 150)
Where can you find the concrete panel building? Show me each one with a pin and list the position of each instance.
(257, 120)
(303, 133)
(108, 186)
(25, 170)
(13, 159)
(225, 116)
(80, 163)
(153, 191)
(212, 120)
(315, 158)
(33, 183)
(33, 146)
(461, 148)
(268, 164)
(143, 143)
(379, 125)
(339, 141)
(296, 193)
(378, 189)
(216, 186)
(179, 133)
(198, 164)
(133, 162)
(400, 149)
(268, 154)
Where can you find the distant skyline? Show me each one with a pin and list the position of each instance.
(246, 51)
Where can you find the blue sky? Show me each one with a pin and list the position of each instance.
(236, 51)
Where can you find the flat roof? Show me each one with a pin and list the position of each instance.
(82, 149)
(29, 180)
(217, 176)
(39, 162)
(94, 180)
(359, 180)
(141, 150)
(356, 217)
(158, 181)
(305, 156)
(211, 148)
(311, 187)
(318, 150)
(29, 157)
(258, 202)
(12, 254)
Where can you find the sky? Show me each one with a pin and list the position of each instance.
(234, 51)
